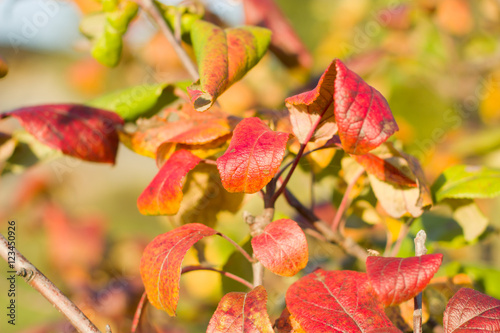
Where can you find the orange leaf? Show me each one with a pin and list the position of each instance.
(282, 247)
(253, 156)
(161, 264)
(242, 312)
(163, 195)
(286, 323)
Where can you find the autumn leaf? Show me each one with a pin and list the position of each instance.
(224, 56)
(471, 311)
(242, 312)
(4, 69)
(342, 101)
(76, 130)
(161, 264)
(253, 156)
(396, 280)
(286, 323)
(336, 301)
(282, 247)
(163, 195)
(285, 43)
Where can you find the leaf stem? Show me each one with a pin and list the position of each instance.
(345, 199)
(152, 10)
(236, 278)
(238, 247)
(420, 250)
(45, 287)
(402, 235)
(347, 244)
(138, 312)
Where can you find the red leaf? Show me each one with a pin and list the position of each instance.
(396, 280)
(161, 264)
(284, 41)
(470, 311)
(336, 301)
(252, 158)
(77, 130)
(343, 101)
(362, 113)
(282, 247)
(242, 312)
(163, 195)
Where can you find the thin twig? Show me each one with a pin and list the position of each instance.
(45, 287)
(343, 204)
(420, 250)
(138, 312)
(150, 8)
(236, 278)
(346, 243)
(403, 232)
(238, 247)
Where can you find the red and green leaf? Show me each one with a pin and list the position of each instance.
(242, 312)
(336, 301)
(77, 130)
(282, 247)
(342, 101)
(471, 311)
(161, 264)
(253, 156)
(224, 56)
(396, 280)
(163, 195)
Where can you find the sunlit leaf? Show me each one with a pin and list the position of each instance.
(242, 312)
(336, 301)
(224, 57)
(163, 195)
(284, 42)
(161, 264)
(468, 216)
(139, 101)
(253, 156)
(76, 130)
(286, 323)
(396, 280)
(282, 247)
(180, 18)
(462, 181)
(471, 311)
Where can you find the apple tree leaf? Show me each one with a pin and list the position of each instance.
(396, 280)
(242, 312)
(282, 247)
(336, 301)
(253, 156)
(163, 195)
(161, 264)
(467, 182)
(224, 56)
(471, 311)
(77, 130)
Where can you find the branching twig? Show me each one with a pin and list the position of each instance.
(150, 8)
(347, 244)
(45, 287)
(420, 250)
(244, 282)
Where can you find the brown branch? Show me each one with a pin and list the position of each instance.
(152, 10)
(44, 286)
(346, 243)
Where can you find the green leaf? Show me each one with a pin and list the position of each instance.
(139, 101)
(183, 17)
(224, 57)
(467, 182)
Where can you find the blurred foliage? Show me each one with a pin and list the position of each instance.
(437, 63)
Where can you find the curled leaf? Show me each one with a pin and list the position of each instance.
(161, 264)
(331, 301)
(471, 311)
(252, 158)
(76, 130)
(224, 57)
(163, 195)
(396, 280)
(282, 247)
(242, 312)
